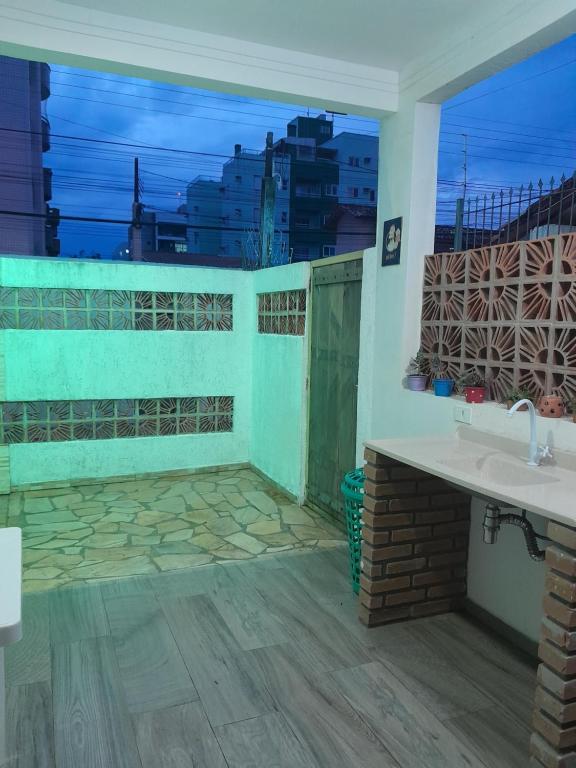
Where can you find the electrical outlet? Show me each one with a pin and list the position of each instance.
(463, 414)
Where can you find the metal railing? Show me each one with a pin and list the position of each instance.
(525, 213)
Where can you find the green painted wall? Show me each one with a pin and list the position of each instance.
(42, 365)
(265, 374)
(278, 394)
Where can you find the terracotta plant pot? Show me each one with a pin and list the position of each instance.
(551, 406)
(475, 394)
(417, 382)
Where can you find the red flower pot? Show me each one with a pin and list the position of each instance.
(475, 394)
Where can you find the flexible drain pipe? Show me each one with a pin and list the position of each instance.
(493, 519)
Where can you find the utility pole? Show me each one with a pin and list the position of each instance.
(465, 164)
(459, 223)
(267, 205)
(136, 253)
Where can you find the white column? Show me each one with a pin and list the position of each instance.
(3, 745)
(392, 296)
(10, 611)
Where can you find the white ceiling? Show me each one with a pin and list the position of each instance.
(380, 33)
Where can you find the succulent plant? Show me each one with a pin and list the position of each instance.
(417, 365)
(471, 378)
(518, 393)
(436, 367)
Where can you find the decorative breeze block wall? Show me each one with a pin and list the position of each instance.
(282, 312)
(415, 543)
(79, 309)
(507, 310)
(62, 420)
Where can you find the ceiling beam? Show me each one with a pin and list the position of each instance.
(48, 30)
(467, 56)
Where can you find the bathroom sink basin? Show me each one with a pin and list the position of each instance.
(493, 468)
(501, 469)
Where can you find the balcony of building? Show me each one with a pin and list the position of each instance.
(44, 81)
(45, 131)
(47, 180)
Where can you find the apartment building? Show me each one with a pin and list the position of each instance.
(25, 184)
(315, 171)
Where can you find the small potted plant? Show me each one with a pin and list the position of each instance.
(515, 394)
(443, 385)
(571, 409)
(417, 377)
(473, 384)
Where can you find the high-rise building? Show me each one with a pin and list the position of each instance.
(240, 194)
(159, 233)
(30, 227)
(204, 203)
(357, 158)
(316, 173)
(314, 181)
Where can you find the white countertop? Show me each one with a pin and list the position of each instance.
(489, 465)
(10, 585)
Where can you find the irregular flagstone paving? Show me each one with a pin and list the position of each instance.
(138, 527)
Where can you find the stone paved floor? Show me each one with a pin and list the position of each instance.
(87, 532)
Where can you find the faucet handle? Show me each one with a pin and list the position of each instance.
(544, 452)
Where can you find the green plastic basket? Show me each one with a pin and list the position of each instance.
(352, 488)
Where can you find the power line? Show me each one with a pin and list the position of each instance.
(133, 145)
(177, 114)
(499, 139)
(129, 222)
(504, 159)
(517, 151)
(477, 118)
(183, 103)
(92, 128)
(194, 92)
(511, 85)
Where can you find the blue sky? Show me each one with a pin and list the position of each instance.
(520, 126)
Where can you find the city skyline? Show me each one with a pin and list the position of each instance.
(515, 125)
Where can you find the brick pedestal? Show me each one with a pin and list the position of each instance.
(415, 543)
(554, 741)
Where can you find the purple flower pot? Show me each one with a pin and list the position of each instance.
(417, 382)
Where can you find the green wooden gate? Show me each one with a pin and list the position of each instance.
(335, 340)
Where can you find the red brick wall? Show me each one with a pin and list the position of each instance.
(554, 743)
(415, 543)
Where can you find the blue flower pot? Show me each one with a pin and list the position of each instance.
(443, 387)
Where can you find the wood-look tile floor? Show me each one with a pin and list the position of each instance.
(258, 664)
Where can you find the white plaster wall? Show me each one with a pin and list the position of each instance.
(502, 579)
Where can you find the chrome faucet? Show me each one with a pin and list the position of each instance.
(536, 453)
